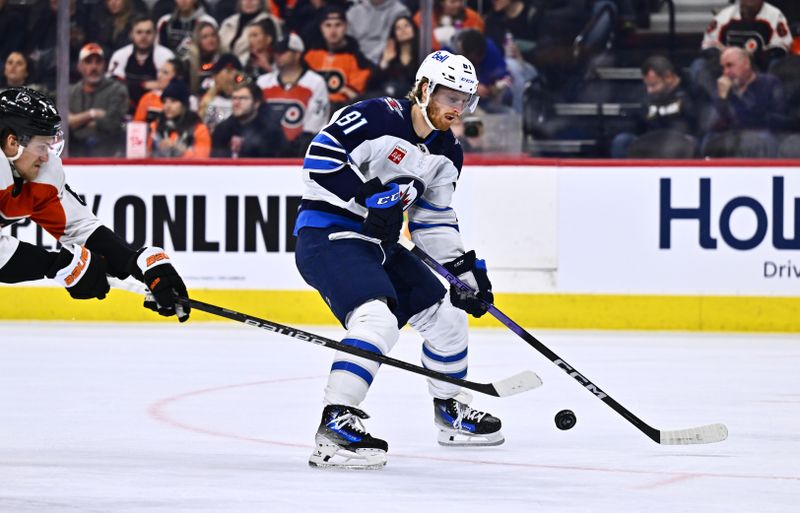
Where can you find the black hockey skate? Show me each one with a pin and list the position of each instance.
(461, 425)
(342, 441)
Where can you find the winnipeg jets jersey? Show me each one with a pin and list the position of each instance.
(47, 201)
(375, 139)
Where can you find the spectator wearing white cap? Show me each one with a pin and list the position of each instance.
(97, 107)
(296, 95)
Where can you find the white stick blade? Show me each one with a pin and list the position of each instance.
(709, 434)
(518, 383)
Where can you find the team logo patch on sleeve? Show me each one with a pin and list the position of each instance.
(397, 154)
(394, 106)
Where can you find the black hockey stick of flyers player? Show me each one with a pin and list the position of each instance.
(699, 435)
(516, 384)
(522, 382)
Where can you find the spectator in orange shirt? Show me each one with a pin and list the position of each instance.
(150, 104)
(339, 60)
(449, 18)
(178, 132)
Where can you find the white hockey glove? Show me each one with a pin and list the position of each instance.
(83, 273)
(472, 271)
(152, 266)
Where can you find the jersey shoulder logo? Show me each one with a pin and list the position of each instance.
(397, 154)
(394, 106)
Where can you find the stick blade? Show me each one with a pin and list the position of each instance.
(518, 383)
(709, 434)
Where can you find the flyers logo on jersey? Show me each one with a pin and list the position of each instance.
(397, 155)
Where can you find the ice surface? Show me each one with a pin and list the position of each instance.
(220, 418)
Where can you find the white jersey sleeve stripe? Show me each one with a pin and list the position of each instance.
(328, 147)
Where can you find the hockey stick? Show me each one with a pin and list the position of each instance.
(518, 383)
(699, 435)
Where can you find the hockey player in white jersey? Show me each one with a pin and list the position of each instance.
(374, 160)
(33, 186)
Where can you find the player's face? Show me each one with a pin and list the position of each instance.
(143, 35)
(37, 151)
(333, 31)
(446, 106)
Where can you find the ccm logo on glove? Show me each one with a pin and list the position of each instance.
(387, 199)
(384, 204)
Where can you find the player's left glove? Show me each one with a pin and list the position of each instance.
(472, 271)
(82, 273)
(384, 210)
(151, 265)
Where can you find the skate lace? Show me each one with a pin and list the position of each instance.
(348, 420)
(464, 412)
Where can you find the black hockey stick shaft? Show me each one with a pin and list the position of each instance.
(642, 426)
(274, 327)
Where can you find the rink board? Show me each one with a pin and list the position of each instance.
(596, 245)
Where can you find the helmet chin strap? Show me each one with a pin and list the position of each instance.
(424, 107)
(20, 149)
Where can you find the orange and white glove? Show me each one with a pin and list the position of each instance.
(82, 273)
(152, 266)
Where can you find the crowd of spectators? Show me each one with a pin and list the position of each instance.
(733, 99)
(257, 78)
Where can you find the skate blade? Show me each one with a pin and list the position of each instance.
(455, 438)
(334, 457)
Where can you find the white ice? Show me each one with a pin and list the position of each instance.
(221, 417)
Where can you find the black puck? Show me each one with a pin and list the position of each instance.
(565, 419)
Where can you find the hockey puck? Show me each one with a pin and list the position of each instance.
(565, 419)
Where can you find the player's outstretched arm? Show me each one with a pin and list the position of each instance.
(81, 272)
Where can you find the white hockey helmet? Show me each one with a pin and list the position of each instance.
(442, 68)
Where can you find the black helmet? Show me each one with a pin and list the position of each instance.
(27, 113)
